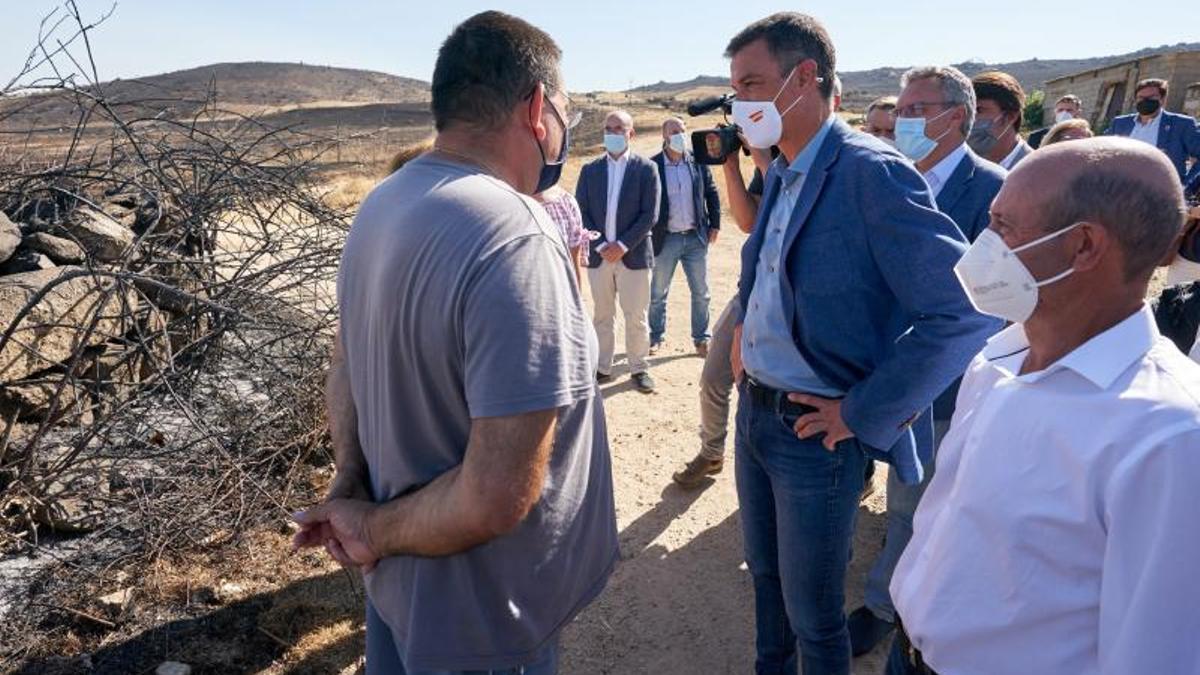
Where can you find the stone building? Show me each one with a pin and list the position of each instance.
(1109, 91)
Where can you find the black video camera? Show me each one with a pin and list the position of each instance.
(712, 146)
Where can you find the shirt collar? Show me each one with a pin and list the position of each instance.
(1137, 119)
(943, 169)
(619, 160)
(683, 158)
(805, 158)
(1012, 156)
(1100, 360)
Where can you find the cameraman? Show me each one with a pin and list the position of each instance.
(716, 379)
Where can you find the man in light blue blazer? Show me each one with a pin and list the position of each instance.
(939, 102)
(1175, 134)
(853, 322)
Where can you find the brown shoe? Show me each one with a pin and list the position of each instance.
(697, 470)
(702, 349)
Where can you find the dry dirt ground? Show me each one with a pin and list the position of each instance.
(680, 601)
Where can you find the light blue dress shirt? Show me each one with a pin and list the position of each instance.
(679, 195)
(768, 353)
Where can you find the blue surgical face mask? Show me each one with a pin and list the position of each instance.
(615, 143)
(678, 143)
(911, 139)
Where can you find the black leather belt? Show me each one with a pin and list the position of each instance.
(774, 400)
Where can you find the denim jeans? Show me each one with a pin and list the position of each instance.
(902, 501)
(685, 248)
(798, 504)
(383, 655)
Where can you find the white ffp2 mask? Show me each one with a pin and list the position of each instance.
(997, 282)
(761, 121)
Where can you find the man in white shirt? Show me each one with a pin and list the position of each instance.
(934, 114)
(1058, 535)
(618, 197)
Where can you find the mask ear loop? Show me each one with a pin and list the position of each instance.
(1041, 240)
(787, 79)
(938, 116)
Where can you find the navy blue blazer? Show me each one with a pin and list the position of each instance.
(1178, 136)
(967, 198)
(706, 201)
(1191, 185)
(637, 208)
(870, 293)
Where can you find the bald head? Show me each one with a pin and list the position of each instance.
(618, 121)
(673, 125)
(1127, 187)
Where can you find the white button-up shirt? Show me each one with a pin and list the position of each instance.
(616, 176)
(939, 173)
(1148, 132)
(1060, 533)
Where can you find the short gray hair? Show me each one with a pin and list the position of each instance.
(956, 88)
(1143, 211)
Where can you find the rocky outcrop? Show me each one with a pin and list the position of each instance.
(50, 330)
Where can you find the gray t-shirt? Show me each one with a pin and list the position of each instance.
(458, 301)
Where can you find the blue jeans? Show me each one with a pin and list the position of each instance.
(798, 504)
(383, 655)
(902, 501)
(685, 248)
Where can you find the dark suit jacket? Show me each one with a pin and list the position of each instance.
(637, 208)
(869, 291)
(1178, 136)
(968, 193)
(1036, 138)
(967, 198)
(706, 202)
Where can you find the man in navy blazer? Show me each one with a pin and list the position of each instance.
(1177, 135)
(618, 197)
(942, 99)
(853, 322)
(689, 218)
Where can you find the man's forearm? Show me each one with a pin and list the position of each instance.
(434, 521)
(342, 416)
(742, 204)
(485, 497)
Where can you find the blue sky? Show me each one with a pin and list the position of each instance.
(609, 44)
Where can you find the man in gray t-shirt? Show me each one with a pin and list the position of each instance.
(470, 361)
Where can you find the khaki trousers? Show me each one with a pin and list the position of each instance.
(613, 282)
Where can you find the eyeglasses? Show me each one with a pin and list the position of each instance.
(569, 121)
(917, 109)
